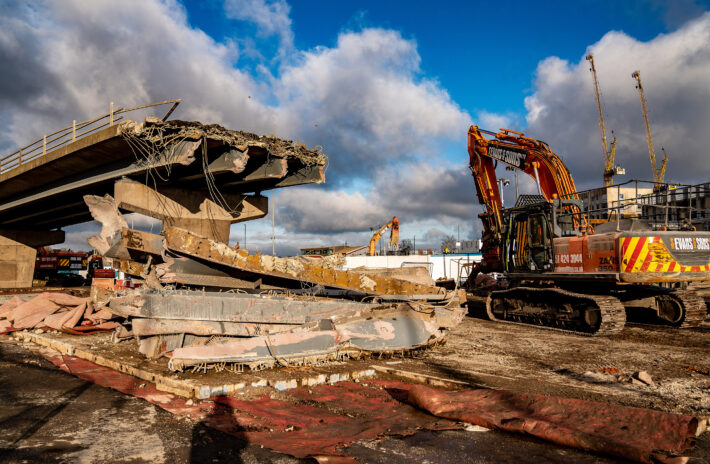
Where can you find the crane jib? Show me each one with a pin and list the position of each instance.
(508, 156)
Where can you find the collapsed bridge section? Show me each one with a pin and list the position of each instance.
(199, 177)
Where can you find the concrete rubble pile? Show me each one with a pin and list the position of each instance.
(205, 304)
(289, 324)
(211, 329)
(54, 311)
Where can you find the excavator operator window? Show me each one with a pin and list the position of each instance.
(517, 254)
(539, 242)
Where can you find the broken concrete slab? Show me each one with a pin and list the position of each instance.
(144, 327)
(228, 307)
(375, 330)
(105, 211)
(296, 270)
(191, 209)
(415, 274)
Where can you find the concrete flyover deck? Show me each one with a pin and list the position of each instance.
(199, 177)
(47, 192)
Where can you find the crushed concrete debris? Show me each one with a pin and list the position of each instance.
(644, 377)
(367, 283)
(393, 328)
(200, 328)
(156, 132)
(53, 311)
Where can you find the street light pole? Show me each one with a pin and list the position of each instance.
(502, 183)
(515, 172)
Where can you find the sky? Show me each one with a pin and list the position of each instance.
(387, 89)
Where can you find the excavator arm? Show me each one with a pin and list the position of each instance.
(394, 236)
(526, 154)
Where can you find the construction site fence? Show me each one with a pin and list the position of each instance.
(77, 130)
(666, 206)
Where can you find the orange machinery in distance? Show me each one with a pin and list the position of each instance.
(394, 236)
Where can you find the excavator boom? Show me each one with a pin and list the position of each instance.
(529, 155)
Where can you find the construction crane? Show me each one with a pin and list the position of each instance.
(610, 170)
(394, 236)
(658, 174)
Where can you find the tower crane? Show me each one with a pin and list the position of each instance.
(610, 170)
(658, 174)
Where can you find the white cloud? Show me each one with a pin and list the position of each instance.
(270, 16)
(494, 121)
(67, 60)
(364, 101)
(675, 69)
(419, 194)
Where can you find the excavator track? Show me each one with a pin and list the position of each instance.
(558, 310)
(693, 308)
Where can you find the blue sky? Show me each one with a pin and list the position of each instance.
(388, 89)
(483, 53)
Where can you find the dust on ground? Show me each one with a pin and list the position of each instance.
(528, 359)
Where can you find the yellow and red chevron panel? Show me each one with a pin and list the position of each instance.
(646, 255)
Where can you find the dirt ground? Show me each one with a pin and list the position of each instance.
(595, 368)
(49, 416)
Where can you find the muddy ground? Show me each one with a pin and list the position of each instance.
(595, 368)
(47, 415)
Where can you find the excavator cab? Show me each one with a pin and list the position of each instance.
(528, 245)
(530, 228)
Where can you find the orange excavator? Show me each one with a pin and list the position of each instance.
(543, 264)
(393, 225)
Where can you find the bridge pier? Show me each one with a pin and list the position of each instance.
(192, 210)
(17, 264)
(18, 252)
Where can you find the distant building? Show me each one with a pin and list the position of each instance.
(669, 207)
(460, 247)
(603, 203)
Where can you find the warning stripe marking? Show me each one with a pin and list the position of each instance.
(639, 245)
(639, 257)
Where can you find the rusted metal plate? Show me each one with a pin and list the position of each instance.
(651, 277)
(298, 269)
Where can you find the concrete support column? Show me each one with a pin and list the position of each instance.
(17, 264)
(189, 209)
